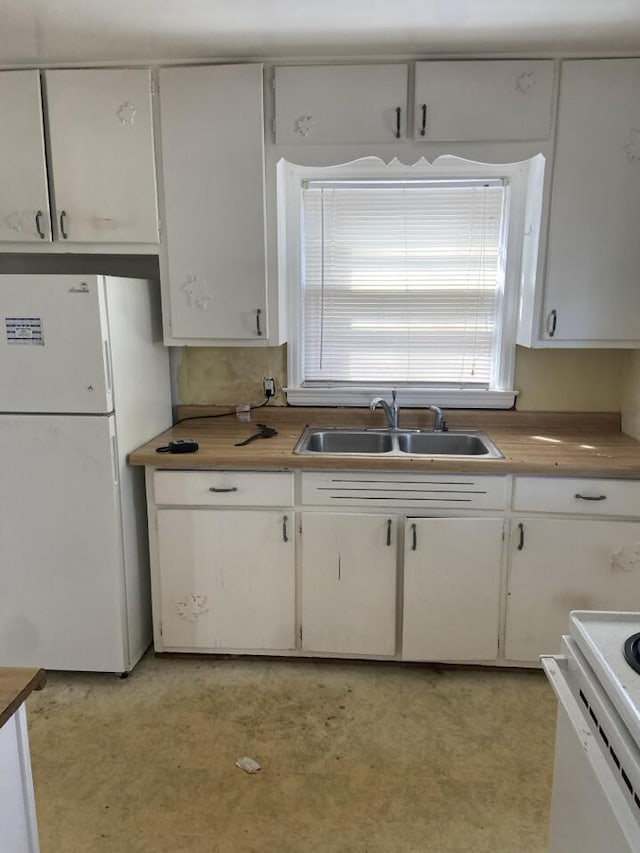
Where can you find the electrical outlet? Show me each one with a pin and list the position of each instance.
(269, 387)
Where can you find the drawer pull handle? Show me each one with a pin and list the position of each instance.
(398, 114)
(63, 219)
(285, 534)
(258, 327)
(521, 542)
(388, 531)
(552, 322)
(590, 497)
(214, 489)
(414, 537)
(39, 215)
(423, 129)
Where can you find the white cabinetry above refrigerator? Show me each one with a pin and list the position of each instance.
(96, 183)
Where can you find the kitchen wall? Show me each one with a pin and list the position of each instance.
(630, 396)
(548, 380)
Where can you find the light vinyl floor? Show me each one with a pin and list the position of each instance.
(356, 758)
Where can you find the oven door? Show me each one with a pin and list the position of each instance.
(592, 808)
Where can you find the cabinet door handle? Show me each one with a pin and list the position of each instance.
(285, 533)
(258, 328)
(552, 322)
(63, 216)
(231, 489)
(398, 114)
(521, 542)
(423, 129)
(39, 215)
(388, 531)
(590, 497)
(414, 537)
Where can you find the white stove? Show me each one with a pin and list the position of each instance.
(596, 787)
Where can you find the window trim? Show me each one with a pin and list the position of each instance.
(525, 182)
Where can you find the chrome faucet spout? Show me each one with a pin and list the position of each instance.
(391, 411)
(439, 424)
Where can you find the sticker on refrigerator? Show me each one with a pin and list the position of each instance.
(24, 330)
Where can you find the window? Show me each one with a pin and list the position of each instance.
(402, 277)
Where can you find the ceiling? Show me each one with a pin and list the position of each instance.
(41, 32)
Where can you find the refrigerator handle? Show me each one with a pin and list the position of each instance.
(107, 361)
(114, 457)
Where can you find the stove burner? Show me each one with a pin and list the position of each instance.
(632, 651)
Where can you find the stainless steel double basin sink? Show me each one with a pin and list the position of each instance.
(390, 442)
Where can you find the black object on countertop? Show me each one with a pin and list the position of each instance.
(180, 445)
(265, 432)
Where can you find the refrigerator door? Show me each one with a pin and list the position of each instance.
(54, 350)
(62, 595)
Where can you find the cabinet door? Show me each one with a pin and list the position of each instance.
(340, 103)
(451, 588)
(102, 164)
(591, 291)
(24, 200)
(559, 565)
(213, 176)
(349, 583)
(227, 579)
(483, 100)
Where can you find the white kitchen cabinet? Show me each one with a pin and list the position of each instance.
(503, 100)
(348, 583)
(451, 588)
(333, 104)
(100, 158)
(563, 564)
(101, 150)
(18, 819)
(213, 266)
(24, 198)
(226, 579)
(591, 295)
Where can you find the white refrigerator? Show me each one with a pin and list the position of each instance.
(84, 379)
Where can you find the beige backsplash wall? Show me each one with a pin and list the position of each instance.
(548, 380)
(630, 397)
(576, 380)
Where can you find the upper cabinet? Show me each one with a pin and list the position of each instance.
(24, 200)
(101, 165)
(334, 104)
(591, 292)
(213, 264)
(459, 101)
(483, 100)
(101, 146)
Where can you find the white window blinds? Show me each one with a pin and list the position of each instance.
(402, 281)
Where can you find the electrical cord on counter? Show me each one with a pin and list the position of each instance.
(221, 414)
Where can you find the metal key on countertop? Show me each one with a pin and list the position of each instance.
(265, 432)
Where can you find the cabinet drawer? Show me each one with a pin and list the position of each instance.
(444, 491)
(576, 496)
(223, 488)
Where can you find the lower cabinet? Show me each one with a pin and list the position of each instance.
(386, 566)
(559, 565)
(226, 579)
(451, 588)
(348, 583)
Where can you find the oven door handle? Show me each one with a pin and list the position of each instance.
(555, 668)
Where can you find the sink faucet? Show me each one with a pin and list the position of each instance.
(391, 411)
(439, 424)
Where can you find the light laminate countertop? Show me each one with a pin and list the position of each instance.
(543, 443)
